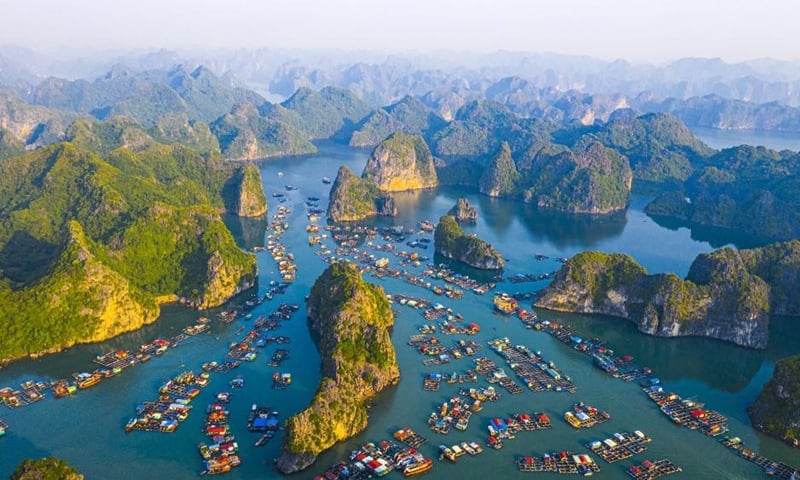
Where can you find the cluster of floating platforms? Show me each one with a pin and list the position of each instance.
(29, 392)
(688, 413)
(585, 416)
(494, 374)
(771, 468)
(452, 453)
(221, 454)
(410, 437)
(378, 460)
(285, 260)
(559, 462)
(432, 381)
(620, 446)
(457, 279)
(648, 470)
(172, 405)
(532, 368)
(453, 413)
(262, 419)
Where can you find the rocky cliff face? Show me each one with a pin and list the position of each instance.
(451, 242)
(463, 211)
(401, 162)
(250, 198)
(501, 178)
(353, 198)
(351, 320)
(776, 411)
(719, 298)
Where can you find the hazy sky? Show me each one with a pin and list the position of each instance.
(638, 30)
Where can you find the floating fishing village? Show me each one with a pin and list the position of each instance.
(471, 375)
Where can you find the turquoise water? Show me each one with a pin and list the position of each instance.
(87, 430)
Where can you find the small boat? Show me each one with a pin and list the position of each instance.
(418, 467)
(447, 453)
(86, 380)
(264, 438)
(326, 180)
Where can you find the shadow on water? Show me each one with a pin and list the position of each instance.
(720, 365)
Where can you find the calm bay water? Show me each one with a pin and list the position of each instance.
(718, 139)
(87, 430)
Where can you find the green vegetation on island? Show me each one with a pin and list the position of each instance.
(92, 245)
(751, 189)
(776, 410)
(401, 162)
(353, 198)
(451, 242)
(244, 134)
(48, 468)
(330, 112)
(727, 294)
(409, 115)
(350, 319)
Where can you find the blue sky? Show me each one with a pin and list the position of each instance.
(638, 30)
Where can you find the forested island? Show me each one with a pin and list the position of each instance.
(350, 320)
(451, 242)
(728, 294)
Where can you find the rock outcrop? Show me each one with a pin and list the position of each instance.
(401, 162)
(351, 320)
(250, 200)
(463, 211)
(451, 242)
(45, 469)
(776, 411)
(353, 198)
(720, 298)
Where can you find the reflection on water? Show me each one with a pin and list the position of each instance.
(720, 365)
(248, 232)
(569, 231)
(716, 237)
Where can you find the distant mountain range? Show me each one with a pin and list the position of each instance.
(761, 94)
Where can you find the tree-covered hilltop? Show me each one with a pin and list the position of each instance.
(350, 319)
(776, 410)
(409, 115)
(751, 189)
(145, 96)
(331, 112)
(353, 198)
(451, 242)
(48, 468)
(244, 134)
(662, 151)
(401, 162)
(91, 245)
(727, 294)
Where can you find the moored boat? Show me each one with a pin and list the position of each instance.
(85, 380)
(418, 467)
